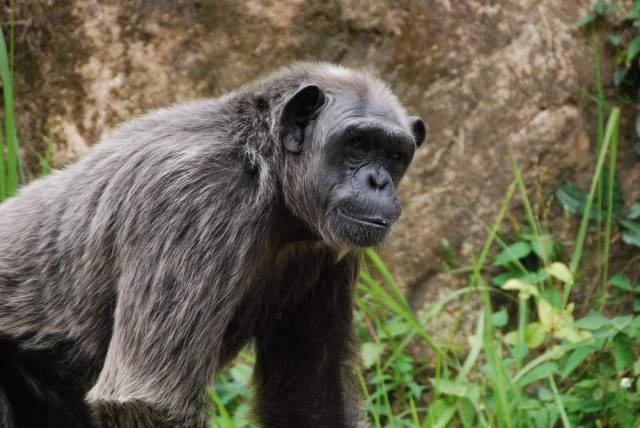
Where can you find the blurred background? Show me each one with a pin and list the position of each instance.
(530, 172)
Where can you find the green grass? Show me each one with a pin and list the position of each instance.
(528, 362)
(9, 153)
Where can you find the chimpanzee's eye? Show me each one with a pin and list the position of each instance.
(396, 155)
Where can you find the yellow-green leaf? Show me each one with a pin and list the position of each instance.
(561, 272)
(525, 289)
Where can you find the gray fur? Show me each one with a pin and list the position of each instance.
(139, 256)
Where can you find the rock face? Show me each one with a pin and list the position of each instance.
(488, 77)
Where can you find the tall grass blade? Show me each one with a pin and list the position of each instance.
(613, 155)
(612, 129)
(11, 177)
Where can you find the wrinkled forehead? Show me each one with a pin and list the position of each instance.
(351, 106)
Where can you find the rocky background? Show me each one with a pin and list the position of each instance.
(490, 78)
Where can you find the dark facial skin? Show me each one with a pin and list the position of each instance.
(365, 158)
(362, 159)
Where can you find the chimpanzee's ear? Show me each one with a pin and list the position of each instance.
(300, 109)
(418, 129)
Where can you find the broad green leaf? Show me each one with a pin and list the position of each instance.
(621, 322)
(500, 318)
(575, 359)
(561, 272)
(535, 278)
(615, 39)
(525, 290)
(241, 373)
(520, 351)
(512, 253)
(371, 353)
(501, 279)
(394, 328)
(511, 338)
(593, 321)
(622, 351)
(572, 198)
(449, 387)
(633, 49)
(631, 225)
(466, 412)
(543, 246)
(552, 295)
(631, 238)
(619, 74)
(539, 373)
(534, 334)
(634, 211)
(604, 8)
(636, 305)
(634, 13)
(621, 281)
(559, 323)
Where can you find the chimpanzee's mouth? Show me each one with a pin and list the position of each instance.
(370, 221)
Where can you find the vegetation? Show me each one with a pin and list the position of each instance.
(530, 361)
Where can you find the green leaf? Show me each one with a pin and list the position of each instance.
(449, 251)
(371, 353)
(513, 252)
(543, 246)
(500, 318)
(511, 338)
(525, 290)
(619, 74)
(622, 351)
(636, 305)
(621, 322)
(604, 8)
(501, 279)
(539, 373)
(395, 327)
(587, 19)
(449, 387)
(634, 13)
(631, 238)
(621, 281)
(631, 225)
(241, 373)
(593, 321)
(466, 412)
(534, 334)
(633, 212)
(572, 198)
(575, 359)
(633, 49)
(561, 272)
(615, 40)
(520, 351)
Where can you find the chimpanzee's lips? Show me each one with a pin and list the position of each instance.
(370, 221)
